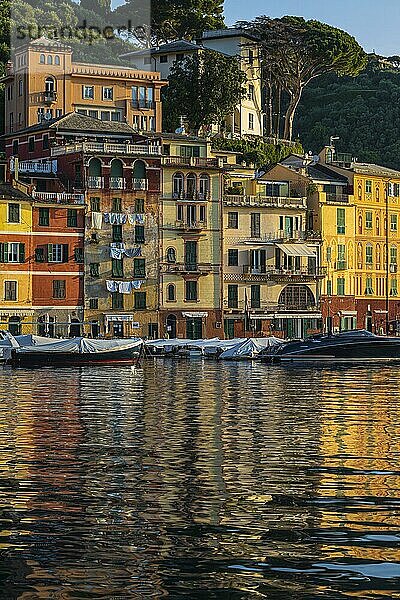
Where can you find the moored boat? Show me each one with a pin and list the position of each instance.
(77, 352)
(348, 347)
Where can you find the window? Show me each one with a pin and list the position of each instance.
(204, 186)
(49, 60)
(251, 57)
(139, 234)
(368, 254)
(44, 217)
(95, 204)
(251, 92)
(368, 220)
(171, 295)
(393, 259)
(13, 213)
(139, 267)
(393, 222)
(56, 60)
(72, 217)
(42, 59)
(341, 220)
(117, 300)
(189, 151)
(368, 287)
(94, 269)
(393, 287)
(177, 185)
(40, 254)
(88, 92)
(255, 296)
(233, 258)
(329, 288)
(140, 300)
(164, 58)
(105, 115)
(341, 256)
(94, 114)
(117, 235)
(94, 303)
(191, 256)
(368, 186)
(108, 93)
(116, 205)
(10, 290)
(78, 255)
(59, 288)
(233, 220)
(171, 255)
(12, 252)
(251, 121)
(45, 142)
(329, 254)
(232, 296)
(31, 144)
(191, 291)
(139, 205)
(57, 253)
(15, 147)
(117, 267)
(340, 286)
(255, 225)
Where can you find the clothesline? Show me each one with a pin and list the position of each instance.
(123, 287)
(116, 219)
(118, 253)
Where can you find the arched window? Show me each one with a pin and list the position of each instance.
(171, 295)
(117, 174)
(56, 60)
(377, 193)
(171, 255)
(368, 254)
(95, 167)
(49, 60)
(378, 225)
(204, 186)
(42, 59)
(20, 86)
(296, 297)
(177, 185)
(360, 224)
(191, 184)
(50, 85)
(139, 170)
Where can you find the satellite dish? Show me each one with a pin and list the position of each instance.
(48, 117)
(316, 158)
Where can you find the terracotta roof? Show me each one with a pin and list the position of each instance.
(371, 169)
(9, 192)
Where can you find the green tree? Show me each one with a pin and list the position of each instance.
(100, 7)
(295, 51)
(203, 88)
(173, 19)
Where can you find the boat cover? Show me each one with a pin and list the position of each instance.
(81, 345)
(250, 348)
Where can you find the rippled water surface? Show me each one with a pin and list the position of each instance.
(200, 480)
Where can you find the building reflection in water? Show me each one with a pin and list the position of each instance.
(190, 477)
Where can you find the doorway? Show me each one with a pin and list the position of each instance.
(171, 326)
(194, 328)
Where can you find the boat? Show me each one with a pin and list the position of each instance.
(74, 352)
(358, 346)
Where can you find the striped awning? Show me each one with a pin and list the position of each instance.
(297, 250)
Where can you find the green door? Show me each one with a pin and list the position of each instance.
(229, 329)
(194, 328)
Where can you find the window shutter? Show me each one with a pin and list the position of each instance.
(49, 252)
(65, 253)
(1, 252)
(5, 252)
(22, 253)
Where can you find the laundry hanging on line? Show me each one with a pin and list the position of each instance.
(97, 220)
(136, 219)
(115, 218)
(118, 253)
(123, 287)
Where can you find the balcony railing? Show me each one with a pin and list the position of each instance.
(59, 197)
(272, 201)
(190, 161)
(191, 225)
(117, 183)
(274, 236)
(188, 268)
(337, 198)
(95, 183)
(29, 166)
(49, 97)
(273, 273)
(146, 104)
(199, 196)
(107, 148)
(140, 184)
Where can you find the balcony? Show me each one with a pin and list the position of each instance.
(304, 274)
(267, 201)
(192, 196)
(59, 197)
(117, 183)
(140, 184)
(183, 268)
(36, 168)
(191, 225)
(107, 148)
(49, 97)
(143, 104)
(190, 161)
(276, 236)
(340, 198)
(95, 183)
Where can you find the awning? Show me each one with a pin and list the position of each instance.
(195, 315)
(297, 316)
(297, 250)
(125, 318)
(348, 313)
(267, 181)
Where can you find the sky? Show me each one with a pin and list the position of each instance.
(374, 23)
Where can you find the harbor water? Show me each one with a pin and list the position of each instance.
(200, 480)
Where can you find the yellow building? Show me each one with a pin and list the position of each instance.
(45, 82)
(16, 312)
(190, 239)
(271, 267)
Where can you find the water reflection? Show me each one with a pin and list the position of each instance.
(199, 480)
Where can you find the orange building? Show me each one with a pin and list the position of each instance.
(45, 83)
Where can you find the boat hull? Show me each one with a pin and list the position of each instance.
(65, 359)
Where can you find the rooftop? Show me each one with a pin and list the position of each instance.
(177, 46)
(372, 169)
(9, 192)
